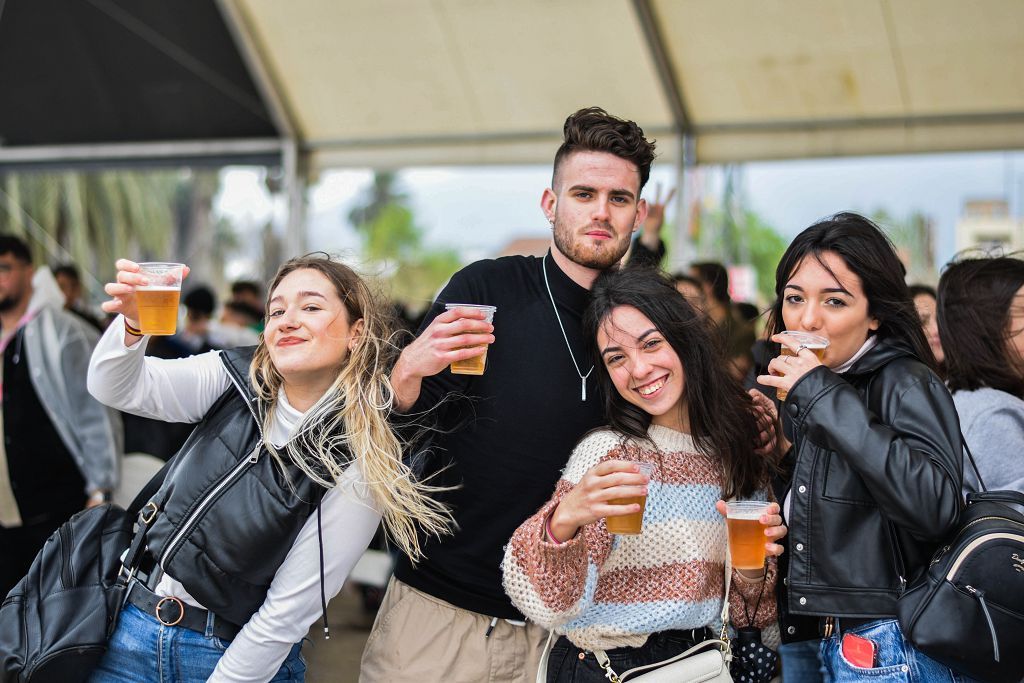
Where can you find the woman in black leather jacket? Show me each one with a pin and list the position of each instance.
(875, 461)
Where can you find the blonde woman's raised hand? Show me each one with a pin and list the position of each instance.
(122, 292)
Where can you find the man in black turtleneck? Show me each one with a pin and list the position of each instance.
(508, 438)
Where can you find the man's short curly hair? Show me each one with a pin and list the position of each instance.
(595, 130)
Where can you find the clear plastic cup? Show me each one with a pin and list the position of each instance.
(158, 301)
(814, 342)
(746, 533)
(476, 364)
(632, 523)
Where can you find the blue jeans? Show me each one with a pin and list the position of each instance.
(142, 650)
(801, 662)
(897, 659)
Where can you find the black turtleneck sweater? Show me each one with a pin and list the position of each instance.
(513, 433)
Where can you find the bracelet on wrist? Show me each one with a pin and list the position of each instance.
(134, 331)
(547, 531)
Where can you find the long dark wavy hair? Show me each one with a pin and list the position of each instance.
(722, 423)
(867, 252)
(974, 304)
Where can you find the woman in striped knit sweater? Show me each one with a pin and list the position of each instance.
(671, 402)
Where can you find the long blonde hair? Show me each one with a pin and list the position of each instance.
(350, 421)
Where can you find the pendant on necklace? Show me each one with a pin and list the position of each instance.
(583, 388)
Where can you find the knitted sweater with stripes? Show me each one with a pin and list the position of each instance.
(604, 591)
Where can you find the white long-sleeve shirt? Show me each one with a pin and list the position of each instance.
(182, 390)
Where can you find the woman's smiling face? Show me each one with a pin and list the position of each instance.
(643, 366)
(308, 334)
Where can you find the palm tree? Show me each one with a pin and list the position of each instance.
(89, 218)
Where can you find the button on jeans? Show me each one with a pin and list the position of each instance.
(142, 650)
(896, 659)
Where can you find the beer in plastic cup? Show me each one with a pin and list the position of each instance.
(632, 523)
(158, 301)
(476, 364)
(746, 533)
(813, 342)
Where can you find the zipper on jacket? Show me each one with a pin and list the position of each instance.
(237, 471)
(980, 595)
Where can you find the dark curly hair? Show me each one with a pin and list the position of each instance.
(595, 130)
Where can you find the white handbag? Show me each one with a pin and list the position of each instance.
(705, 662)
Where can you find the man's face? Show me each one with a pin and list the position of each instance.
(15, 282)
(595, 207)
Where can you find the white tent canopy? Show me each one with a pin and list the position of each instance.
(411, 82)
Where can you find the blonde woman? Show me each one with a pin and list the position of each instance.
(277, 492)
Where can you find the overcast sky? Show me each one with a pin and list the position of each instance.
(479, 209)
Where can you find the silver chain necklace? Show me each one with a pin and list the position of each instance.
(583, 378)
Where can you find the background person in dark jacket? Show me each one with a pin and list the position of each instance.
(277, 492)
(876, 454)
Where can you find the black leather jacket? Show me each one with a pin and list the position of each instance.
(228, 516)
(875, 449)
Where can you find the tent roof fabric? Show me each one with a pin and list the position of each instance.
(101, 71)
(387, 83)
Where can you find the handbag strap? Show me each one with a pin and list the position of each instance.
(542, 669)
(999, 496)
(970, 457)
(141, 502)
(722, 643)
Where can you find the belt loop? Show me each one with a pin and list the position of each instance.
(210, 617)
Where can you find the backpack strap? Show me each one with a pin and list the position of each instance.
(970, 457)
(139, 510)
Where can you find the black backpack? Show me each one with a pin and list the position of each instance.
(967, 610)
(55, 623)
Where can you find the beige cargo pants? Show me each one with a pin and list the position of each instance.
(421, 639)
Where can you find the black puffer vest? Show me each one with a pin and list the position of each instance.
(228, 516)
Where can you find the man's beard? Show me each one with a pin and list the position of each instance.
(596, 258)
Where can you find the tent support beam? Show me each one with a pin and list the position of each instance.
(136, 151)
(663, 64)
(294, 158)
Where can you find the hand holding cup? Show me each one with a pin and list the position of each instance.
(601, 494)
(753, 528)
(801, 353)
(131, 277)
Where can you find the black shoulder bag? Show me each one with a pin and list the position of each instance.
(55, 624)
(967, 610)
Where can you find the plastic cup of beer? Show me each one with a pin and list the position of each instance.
(158, 301)
(746, 533)
(476, 364)
(631, 524)
(810, 341)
